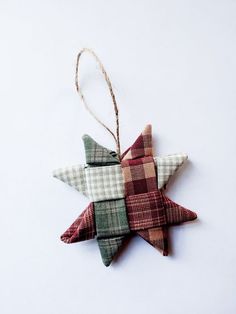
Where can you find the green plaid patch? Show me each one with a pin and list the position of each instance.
(109, 247)
(111, 218)
(96, 154)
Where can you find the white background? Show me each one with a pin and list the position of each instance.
(172, 64)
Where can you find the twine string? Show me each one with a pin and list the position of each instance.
(77, 84)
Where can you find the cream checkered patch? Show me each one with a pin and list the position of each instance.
(104, 183)
(167, 166)
(74, 176)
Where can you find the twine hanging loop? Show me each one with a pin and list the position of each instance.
(116, 111)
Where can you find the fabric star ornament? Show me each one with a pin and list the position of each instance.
(126, 196)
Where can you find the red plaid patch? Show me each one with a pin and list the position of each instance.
(139, 175)
(175, 213)
(141, 147)
(157, 237)
(83, 227)
(145, 210)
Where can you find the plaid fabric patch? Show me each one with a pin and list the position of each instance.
(111, 218)
(175, 213)
(74, 176)
(109, 247)
(104, 183)
(157, 237)
(167, 166)
(139, 175)
(97, 154)
(145, 210)
(82, 229)
(141, 147)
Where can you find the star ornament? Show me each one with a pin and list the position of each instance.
(126, 196)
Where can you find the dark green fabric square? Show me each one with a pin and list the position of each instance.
(111, 218)
(109, 247)
(96, 154)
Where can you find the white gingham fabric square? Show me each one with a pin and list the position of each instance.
(74, 176)
(104, 183)
(167, 166)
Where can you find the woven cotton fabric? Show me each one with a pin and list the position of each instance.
(145, 210)
(104, 183)
(157, 237)
(83, 228)
(111, 218)
(97, 154)
(109, 247)
(141, 147)
(176, 214)
(167, 166)
(74, 176)
(139, 175)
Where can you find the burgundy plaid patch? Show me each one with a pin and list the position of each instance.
(83, 227)
(141, 147)
(175, 213)
(157, 237)
(145, 210)
(139, 175)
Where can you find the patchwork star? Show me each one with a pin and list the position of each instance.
(126, 196)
